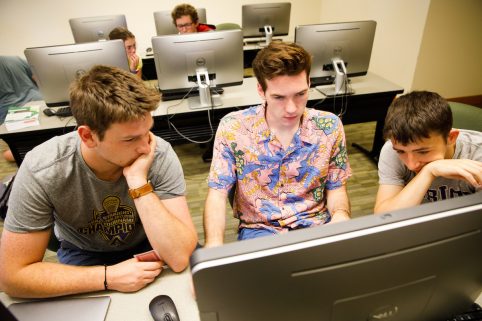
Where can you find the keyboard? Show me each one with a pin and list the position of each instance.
(179, 94)
(59, 112)
(474, 314)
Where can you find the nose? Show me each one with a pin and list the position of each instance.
(144, 146)
(290, 106)
(413, 163)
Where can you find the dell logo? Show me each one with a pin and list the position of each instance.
(200, 62)
(383, 313)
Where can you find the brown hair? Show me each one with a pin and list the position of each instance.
(416, 115)
(120, 33)
(184, 9)
(107, 95)
(281, 58)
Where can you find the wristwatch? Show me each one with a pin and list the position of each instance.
(141, 191)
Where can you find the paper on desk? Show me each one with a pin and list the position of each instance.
(22, 117)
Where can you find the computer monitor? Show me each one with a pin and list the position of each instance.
(196, 61)
(349, 44)
(164, 24)
(266, 20)
(55, 67)
(95, 28)
(421, 263)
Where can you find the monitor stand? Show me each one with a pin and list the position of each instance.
(268, 31)
(205, 99)
(341, 86)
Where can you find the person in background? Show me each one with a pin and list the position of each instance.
(135, 62)
(186, 20)
(425, 159)
(109, 190)
(286, 164)
(17, 87)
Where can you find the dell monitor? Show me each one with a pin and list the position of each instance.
(266, 20)
(421, 263)
(339, 50)
(95, 28)
(165, 25)
(198, 62)
(55, 67)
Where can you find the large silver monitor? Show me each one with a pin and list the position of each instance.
(55, 67)
(350, 42)
(95, 28)
(422, 263)
(255, 17)
(184, 61)
(164, 24)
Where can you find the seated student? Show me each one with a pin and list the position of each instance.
(186, 20)
(17, 87)
(425, 159)
(111, 190)
(287, 163)
(135, 62)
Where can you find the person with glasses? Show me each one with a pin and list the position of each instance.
(186, 20)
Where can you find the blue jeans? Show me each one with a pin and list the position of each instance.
(251, 233)
(72, 255)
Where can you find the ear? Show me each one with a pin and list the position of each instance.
(452, 138)
(88, 137)
(261, 92)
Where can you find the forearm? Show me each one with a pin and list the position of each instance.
(214, 218)
(411, 195)
(173, 239)
(46, 279)
(338, 204)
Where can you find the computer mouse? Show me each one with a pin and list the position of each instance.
(163, 309)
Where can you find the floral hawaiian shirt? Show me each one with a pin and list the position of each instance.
(277, 188)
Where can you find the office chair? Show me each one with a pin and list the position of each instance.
(227, 26)
(466, 116)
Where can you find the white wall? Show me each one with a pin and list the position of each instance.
(400, 25)
(30, 23)
(450, 59)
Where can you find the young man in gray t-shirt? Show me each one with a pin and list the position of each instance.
(425, 159)
(111, 190)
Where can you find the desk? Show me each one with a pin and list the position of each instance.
(373, 95)
(135, 306)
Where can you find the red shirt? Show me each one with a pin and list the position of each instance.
(204, 27)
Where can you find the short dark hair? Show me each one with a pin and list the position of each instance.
(106, 95)
(280, 58)
(184, 9)
(120, 33)
(416, 115)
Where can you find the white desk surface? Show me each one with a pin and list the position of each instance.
(135, 306)
(242, 96)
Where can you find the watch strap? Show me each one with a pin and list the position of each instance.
(141, 191)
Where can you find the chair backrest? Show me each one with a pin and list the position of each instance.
(227, 26)
(466, 116)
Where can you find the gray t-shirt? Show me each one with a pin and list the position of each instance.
(392, 171)
(54, 184)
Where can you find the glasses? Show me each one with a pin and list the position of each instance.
(184, 25)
